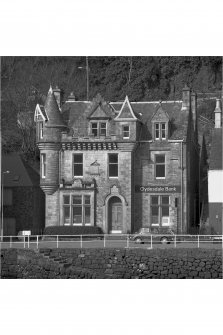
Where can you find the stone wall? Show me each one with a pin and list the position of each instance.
(112, 263)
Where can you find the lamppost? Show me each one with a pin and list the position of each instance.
(87, 75)
(2, 205)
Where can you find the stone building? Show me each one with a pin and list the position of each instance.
(119, 165)
(23, 199)
(215, 174)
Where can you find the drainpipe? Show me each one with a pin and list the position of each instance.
(182, 187)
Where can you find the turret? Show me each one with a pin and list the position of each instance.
(50, 124)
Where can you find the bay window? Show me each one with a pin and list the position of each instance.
(77, 210)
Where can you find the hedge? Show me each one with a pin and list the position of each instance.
(73, 230)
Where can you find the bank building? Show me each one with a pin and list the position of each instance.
(119, 165)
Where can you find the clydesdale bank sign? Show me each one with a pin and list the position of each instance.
(158, 189)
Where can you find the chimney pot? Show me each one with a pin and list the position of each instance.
(217, 114)
(71, 97)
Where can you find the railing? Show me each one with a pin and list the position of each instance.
(112, 241)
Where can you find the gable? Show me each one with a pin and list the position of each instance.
(126, 112)
(160, 115)
(99, 113)
(99, 109)
(40, 114)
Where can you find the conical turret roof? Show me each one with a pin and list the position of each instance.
(52, 111)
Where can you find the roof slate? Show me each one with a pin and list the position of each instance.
(75, 115)
(52, 111)
(216, 150)
(20, 173)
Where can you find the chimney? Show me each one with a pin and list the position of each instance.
(194, 108)
(186, 98)
(71, 97)
(57, 94)
(217, 113)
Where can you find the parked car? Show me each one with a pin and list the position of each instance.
(217, 239)
(161, 234)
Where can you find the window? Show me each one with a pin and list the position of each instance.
(160, 166)
(160, 210)
(163, 131)
(125, 131)
(98, 128)
(113, 165)
(43, 165)
(78, 165)
(77, 210)
(40, 129)
(160, 131)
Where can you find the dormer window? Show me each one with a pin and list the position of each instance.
(160, 131)
(98, 129)
(125, 132)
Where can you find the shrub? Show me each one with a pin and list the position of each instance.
(72, 230)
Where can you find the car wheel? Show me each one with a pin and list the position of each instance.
(138, 240)
(164, 240)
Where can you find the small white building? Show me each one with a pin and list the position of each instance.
(215, 174)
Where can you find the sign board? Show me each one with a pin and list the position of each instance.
(158, 189)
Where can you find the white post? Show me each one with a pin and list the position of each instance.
(151, 241)
(127, 241)
(104, 240)
(10, 242)
(81, 242)
(57, 241)
(28, 241)
(24, 245)
(198, 241)
(37, 242)
(175, 241)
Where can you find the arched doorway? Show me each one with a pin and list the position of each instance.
(115, 215)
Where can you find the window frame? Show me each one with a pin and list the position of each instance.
(99, 128)
(71, 205)
(158, 128)
(43, 165)
(78, 164)
(123, 131)
(159, 164)
(112, 164)
(41, 130)
(160, 205)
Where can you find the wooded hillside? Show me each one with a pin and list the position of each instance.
(26, 80)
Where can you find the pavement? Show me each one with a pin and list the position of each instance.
(108, 244)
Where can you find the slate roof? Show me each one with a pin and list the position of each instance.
(146, 110)
(216, 150)
(21, 174)
(52, 111)
(75, 115)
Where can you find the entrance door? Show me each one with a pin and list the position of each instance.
(115, 215)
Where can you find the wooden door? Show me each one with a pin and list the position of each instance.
(115, 215)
